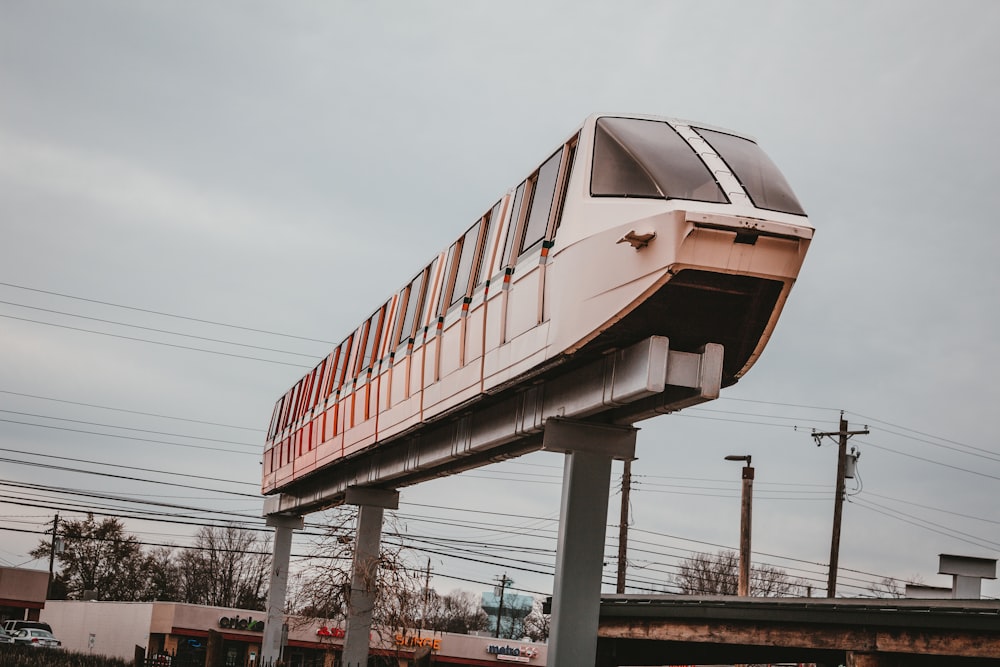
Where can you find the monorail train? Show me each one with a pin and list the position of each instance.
(635, 226)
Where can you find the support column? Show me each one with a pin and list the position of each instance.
(270, 646)
(371, 503)
(576, 595)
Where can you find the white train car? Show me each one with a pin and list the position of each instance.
(635, 226)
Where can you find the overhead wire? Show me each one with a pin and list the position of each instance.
(162, 313)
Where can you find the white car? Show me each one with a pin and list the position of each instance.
(36, 637)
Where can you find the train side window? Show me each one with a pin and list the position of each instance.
(513, 226)
(371, 340)
(402, 305)
(350, 371)
(470, 244)
(570, 161)
(296, 399)
(307, 393)
(345, 352)
(385, 321)
(323, 386)
(332, 369)
(317, 384)
(286, 410)
(364, 335)
(272, 430)
(542, 193)
(448, 279)
(428, 306)
(647, 158)
(491, 224)
(413, 304)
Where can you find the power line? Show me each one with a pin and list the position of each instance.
(156, 330)
(128, 428)
(154, 342)
(130, 438)
(118, 465)
(124, 477)
(164, 314)
(134, 412)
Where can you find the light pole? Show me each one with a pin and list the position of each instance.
(746, 510)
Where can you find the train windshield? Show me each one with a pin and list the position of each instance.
(646, 158)
(767, 188)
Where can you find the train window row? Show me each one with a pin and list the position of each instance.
(426, 299)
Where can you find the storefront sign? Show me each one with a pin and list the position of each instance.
(432, 642)
(336, 633)
(512, 653)
(237, 623)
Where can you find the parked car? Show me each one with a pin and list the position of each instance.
(11, 626)
(36, 637)
(6, 637)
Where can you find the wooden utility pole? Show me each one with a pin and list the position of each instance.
(838, 502)
(746, 515)
(52, 554)
(623, 527)
(504, 581)
(427, 594)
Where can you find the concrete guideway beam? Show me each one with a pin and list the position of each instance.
(622, 387)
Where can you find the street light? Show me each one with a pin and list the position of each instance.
(743, 587)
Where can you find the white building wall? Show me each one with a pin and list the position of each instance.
(117, 627)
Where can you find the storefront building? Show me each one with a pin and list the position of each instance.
(22, 593)
(181, 632)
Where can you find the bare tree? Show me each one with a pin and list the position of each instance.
(323, 589)
(227, 567)
(163, 581)
(890, 587)
(536, 624)
(718, 574)
(457, 612)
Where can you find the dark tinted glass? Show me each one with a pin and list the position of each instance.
(492, 219)
(425, 309)
(413, 301)
(372, 340)
(515, 215)
(469, 244)
(645, 158)
(760, 177)
(541, 202)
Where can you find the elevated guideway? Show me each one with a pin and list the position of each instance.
(620, 388)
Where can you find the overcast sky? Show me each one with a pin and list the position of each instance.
(284, 167)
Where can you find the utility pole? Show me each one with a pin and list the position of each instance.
(623, 526)
(52, 554)
(504, 581)
(427, 594)
(838, 502)
(746, 514)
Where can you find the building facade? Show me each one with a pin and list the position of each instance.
(22, 593)
(176, 631)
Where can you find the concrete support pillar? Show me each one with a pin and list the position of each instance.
(372, 504)
(270, 647)
(576, 595)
